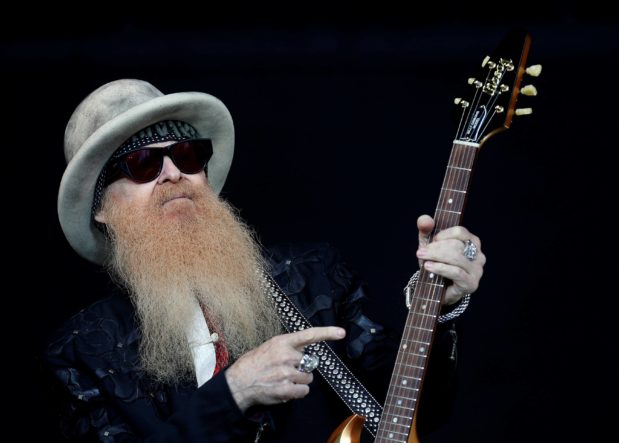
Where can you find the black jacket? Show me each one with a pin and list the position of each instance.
(105, 397)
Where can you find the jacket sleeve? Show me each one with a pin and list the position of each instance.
(101, 397)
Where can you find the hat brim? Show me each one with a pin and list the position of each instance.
(204, 112)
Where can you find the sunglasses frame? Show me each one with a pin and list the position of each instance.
(118, 168)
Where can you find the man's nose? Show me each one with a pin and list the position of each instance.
(169, 171)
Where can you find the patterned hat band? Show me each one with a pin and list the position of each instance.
(159, 132)
(167, 130)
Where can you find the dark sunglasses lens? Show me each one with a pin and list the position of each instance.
(191, 156)
(144, 165)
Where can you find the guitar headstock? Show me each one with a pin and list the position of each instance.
(496, 87)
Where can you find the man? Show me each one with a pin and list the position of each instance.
(190, 348)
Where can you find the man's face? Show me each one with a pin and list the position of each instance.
(130, 194)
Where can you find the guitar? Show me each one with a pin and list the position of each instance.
(489, 111)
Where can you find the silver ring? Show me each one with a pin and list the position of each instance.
(308, 363)
(470, 250)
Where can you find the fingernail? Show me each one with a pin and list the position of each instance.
(421, 252)
(429, 265)
(340, 332)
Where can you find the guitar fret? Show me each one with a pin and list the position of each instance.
(400, 416)
(454, 190)
(457, 167)
(401, 407)
(406, 398)
(409, 342)
(393, 431)
(411, 366)
(424, 314)
(416, 341)
(391, 438)
(422, 329)
(433, 284)
(408, 388)
(426, 299)
(415, 378)
(395, 424)
(447, 210)
(405, 379)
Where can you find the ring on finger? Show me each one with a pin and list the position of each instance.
(470, 250)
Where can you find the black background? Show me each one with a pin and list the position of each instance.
(342, 134)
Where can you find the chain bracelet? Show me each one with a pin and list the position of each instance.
(457, 311)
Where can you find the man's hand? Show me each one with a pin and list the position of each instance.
(445, 256)
(268, 374)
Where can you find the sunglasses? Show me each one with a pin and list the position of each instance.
(145, 164)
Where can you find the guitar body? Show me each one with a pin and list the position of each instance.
(490, 110)
(349, 431)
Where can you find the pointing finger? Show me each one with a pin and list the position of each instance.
(314, 335)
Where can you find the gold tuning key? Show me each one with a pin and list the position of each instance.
(529, 90)
(524, 111)
(534, 70)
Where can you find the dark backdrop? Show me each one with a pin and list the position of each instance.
(343, 132)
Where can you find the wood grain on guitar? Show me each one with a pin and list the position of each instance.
(489, 110)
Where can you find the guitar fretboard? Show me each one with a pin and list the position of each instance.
(407, 377)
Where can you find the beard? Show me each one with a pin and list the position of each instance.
(170, 255)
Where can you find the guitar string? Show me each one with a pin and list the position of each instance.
(464, 157)
(389, 408)
(417, 334)
(406, 359)
(492, 105)
(467, 114)
(460, 123)
(387, 429)
(469, 109)
(477, 99)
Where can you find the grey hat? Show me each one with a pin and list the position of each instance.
(107, 118)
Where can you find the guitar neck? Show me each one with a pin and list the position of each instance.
(408, 373)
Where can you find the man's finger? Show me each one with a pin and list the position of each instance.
(425, 224)
(314, 335)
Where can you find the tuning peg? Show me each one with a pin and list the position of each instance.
(473, 81)
(487, 62)
(524, 111)
(529, 90)
(534, 70)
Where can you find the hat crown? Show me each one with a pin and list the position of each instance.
(103, 105)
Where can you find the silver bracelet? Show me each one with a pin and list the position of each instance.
(410, 288)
